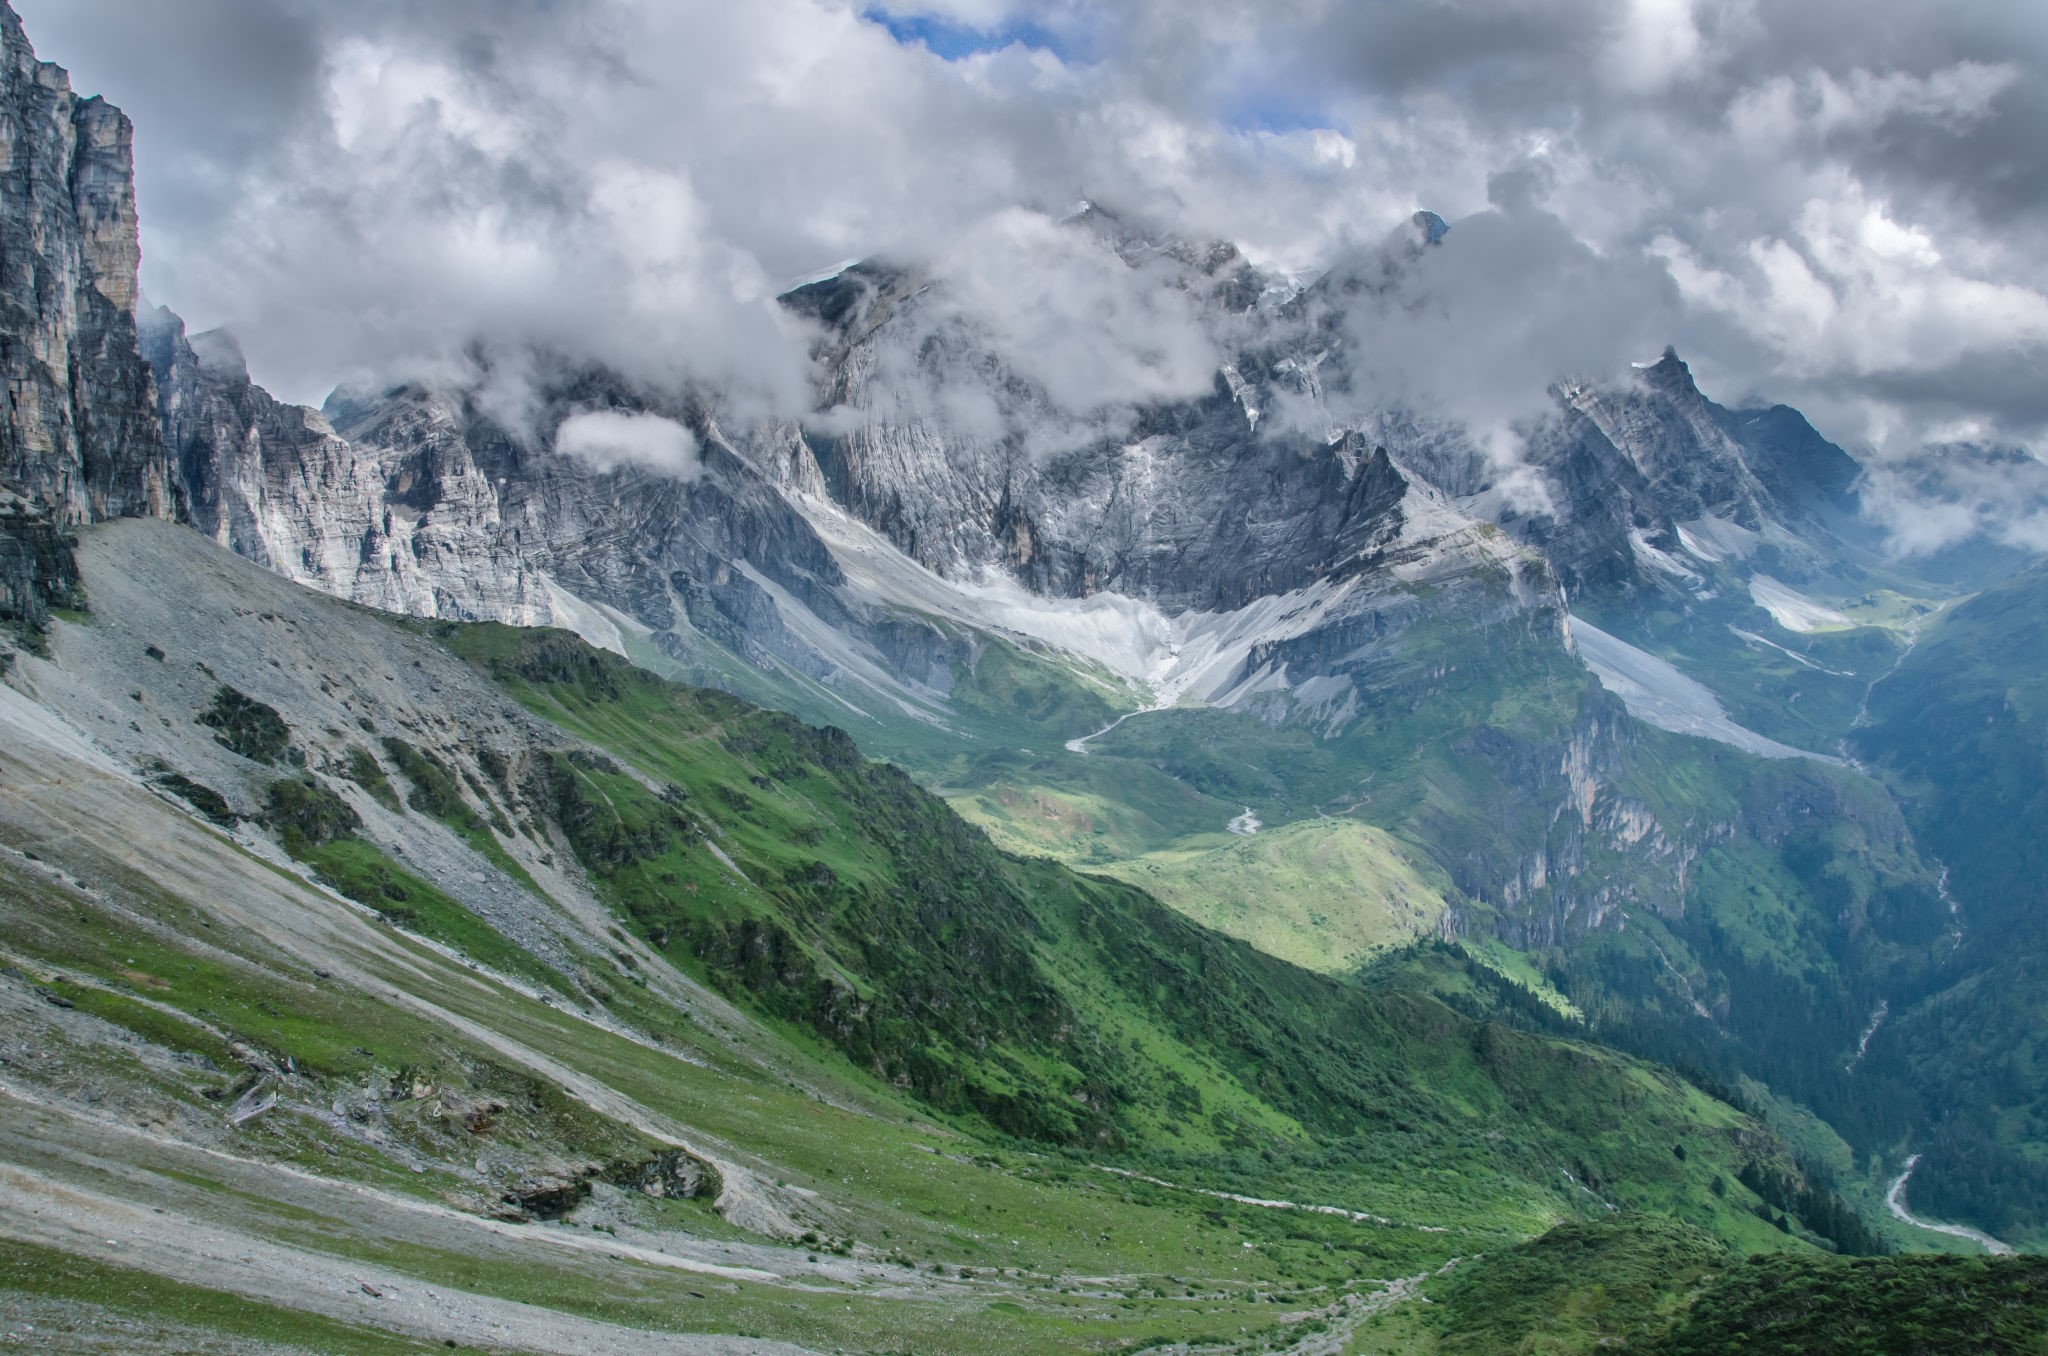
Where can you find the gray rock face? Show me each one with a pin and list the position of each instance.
(654, 547)
(37, 571)
(1183, 504)
(1626, 465)
(277, 484)
(1190, 505)
(80, 432)
(1214, 502)
(422, 501)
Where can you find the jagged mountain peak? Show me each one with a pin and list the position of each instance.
(1209, 504)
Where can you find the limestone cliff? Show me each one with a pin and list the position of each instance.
(80, 433)
(79, 439)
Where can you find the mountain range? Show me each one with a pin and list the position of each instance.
(945, 870)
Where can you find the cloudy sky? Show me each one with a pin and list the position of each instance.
(1840, 203)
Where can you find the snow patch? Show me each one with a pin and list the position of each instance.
(1756, 639)
(1714, 540)
(1243, 393)
(1657, 693)
(1191, 656)
(1658, 559)
(822, 275)
(1194, 655)
(1791, 609)
(585, 620)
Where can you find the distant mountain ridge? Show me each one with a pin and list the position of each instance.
(417, 501)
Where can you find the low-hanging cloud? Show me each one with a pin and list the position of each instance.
(1070, 315)
(1480, 326)
(1840, 205)
(608, 440)
(1038, 332)
(1954, 493)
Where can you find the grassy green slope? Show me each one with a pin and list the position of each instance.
(1326, 894)
(1733, 893)
(1891, 1305)
(1039, 1109)
(1015, 995)
(1644, 1284)
(1960, 730)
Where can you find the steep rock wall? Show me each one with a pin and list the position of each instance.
(80, 431)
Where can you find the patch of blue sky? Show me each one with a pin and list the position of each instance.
(1279, 115)
(952, 41)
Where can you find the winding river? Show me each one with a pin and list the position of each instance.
(1896, 1199)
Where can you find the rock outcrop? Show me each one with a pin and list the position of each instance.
(37, 571)
(80, 432)
(1642, 474)
(276, 483)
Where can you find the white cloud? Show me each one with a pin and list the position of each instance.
(607, 440)
(1071, 316)
(1845, 198)
(1852, 293)
(1657, 42)
(1788, 109)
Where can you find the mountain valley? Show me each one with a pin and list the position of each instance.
(608, 868)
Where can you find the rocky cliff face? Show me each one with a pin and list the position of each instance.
(1644, 473)
(80, 433)
(1206, 515)
(422, 502)
(37, 571)
(678, 555)
(277, 484)
(79, 439)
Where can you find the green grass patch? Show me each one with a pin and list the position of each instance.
(1326, 894)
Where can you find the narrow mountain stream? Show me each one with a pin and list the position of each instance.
(1896, 1199)
(1081, 745)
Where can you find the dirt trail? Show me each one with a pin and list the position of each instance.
(1355, 1216)
(1349, 1314)
(1341, 1320)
